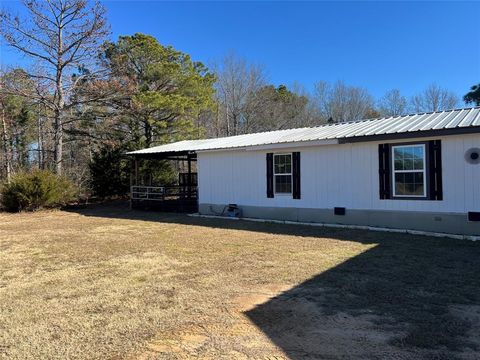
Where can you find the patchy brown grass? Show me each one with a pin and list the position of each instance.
(107, 282)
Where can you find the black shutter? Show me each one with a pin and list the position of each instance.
(296, 175)
(269, 175)
(384, 171)
(435, 170)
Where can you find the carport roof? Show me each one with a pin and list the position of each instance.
(449, 122)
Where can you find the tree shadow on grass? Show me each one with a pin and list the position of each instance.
(408, 290)
(409, 286)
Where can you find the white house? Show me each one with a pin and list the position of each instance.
(419, 172)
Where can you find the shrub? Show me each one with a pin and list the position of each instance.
(36, 189)
(109, 172)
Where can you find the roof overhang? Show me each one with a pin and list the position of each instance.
(170, 155)
(284, 145)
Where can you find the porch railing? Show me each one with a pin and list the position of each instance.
(163, 193)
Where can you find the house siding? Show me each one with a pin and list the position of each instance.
(343, 175)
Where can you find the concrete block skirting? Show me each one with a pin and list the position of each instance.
(447, 223)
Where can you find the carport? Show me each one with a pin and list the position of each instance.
(146, 193)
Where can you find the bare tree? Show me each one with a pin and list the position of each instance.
(61, 38)
(17, 122)
(237, 83)
(393, 103)
(434, 98)
(340, 102)
(7, 157)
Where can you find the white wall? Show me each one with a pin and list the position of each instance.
(336, 175)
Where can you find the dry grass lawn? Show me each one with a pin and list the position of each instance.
(109, 283)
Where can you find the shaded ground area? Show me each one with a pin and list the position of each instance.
(106, 282)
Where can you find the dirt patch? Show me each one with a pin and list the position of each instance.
(321, 336)
(231, 331)
(258, 296)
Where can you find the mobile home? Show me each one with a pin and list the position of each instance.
(418, 172)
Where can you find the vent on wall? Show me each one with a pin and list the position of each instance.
(339, 211)
(472, 156)
(473, 216)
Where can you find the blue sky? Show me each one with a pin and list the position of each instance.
(377, 45)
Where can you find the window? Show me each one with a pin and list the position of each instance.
(282, 172)
(409, 171)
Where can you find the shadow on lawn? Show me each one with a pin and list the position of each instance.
(410, 289)
(411, 285)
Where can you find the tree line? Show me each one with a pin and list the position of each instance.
(86, 100)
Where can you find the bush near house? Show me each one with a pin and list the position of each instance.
(34, 190)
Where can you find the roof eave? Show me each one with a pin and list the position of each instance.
(412, 134)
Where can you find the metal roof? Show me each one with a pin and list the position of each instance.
(457, 121)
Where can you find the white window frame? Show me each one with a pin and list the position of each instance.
(424, 195)
(283, 174)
